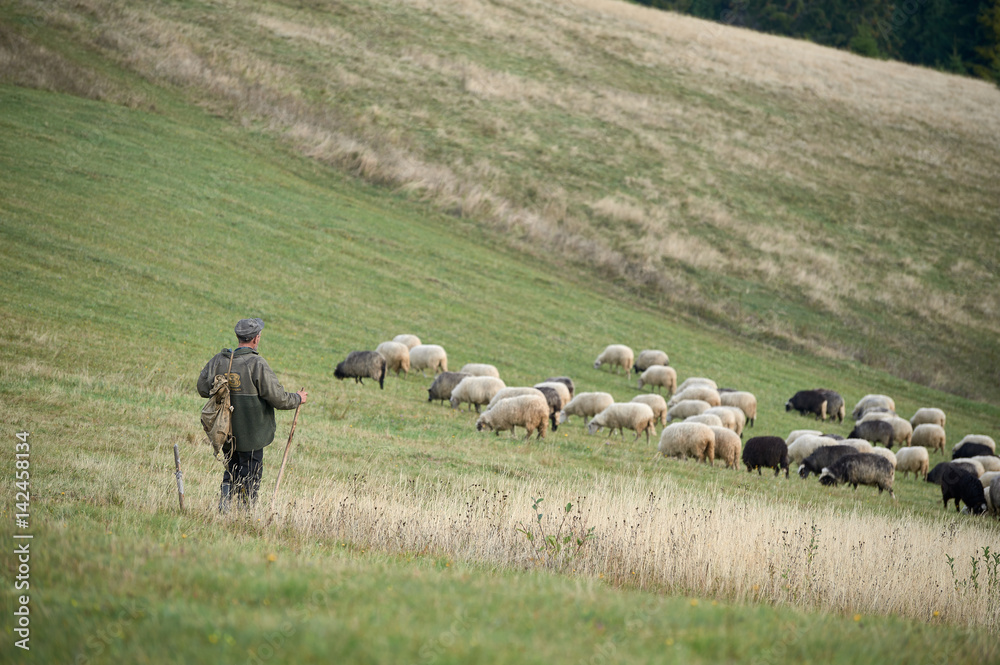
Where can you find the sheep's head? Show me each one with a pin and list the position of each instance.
(593, 427)
(597, 364)
(484, 424)
(827, 478)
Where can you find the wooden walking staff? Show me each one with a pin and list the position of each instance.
(179, 475)
(284, 459)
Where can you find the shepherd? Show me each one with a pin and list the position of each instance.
(255, 394)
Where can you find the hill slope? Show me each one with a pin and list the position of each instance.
(783, 191)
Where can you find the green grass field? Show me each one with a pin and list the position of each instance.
(135, 234)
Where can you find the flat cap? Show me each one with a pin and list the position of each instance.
(249, 327)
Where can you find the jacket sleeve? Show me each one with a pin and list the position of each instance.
(205, 380)
(270, 390)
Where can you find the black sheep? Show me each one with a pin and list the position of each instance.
(861, 469)
(959, 484)
(768, 452)
(824, 456)
(873, 431)
(938, 472)
(362, 365)
(555, 405)
(808, 401)
(972, 450)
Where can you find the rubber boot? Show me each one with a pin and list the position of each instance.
(224, 499)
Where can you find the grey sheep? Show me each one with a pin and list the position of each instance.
(823, 457)
(834, 404)
(528, 411)
(560, 388)
(443, 384)
(861, 469)
(555, 401)
(362, 365)
(566, 381)
(649, 357)
(873, 431)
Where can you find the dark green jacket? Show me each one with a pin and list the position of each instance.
(255, 394)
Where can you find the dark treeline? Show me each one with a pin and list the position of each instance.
(961, 36)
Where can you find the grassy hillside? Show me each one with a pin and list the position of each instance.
(782, 191)
(396, 535)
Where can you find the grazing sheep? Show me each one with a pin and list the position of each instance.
(978, 438)
(656, 403)
(942, 468)
(742, 400)
(428, 356)
(362, 365)
(808, 401)
(709, 419)
(443, 384)
(988, 477)
(929, 414)
(915, 459)
(560, 388)
(902, 431)
(796, 433)
(876, 415)
(873, 431)
(860, 445)
(633, 415)
(397, 357)
(989, 462)
(649, 357)
(480, 369)
(409, 340)
(618, 355)
(994, 495)
(834, 436)
(566, 381)
(588, 405)
(869, 402)
(687, 408)
(698, 381)
(886, 453)
(659, 376)
(834, 404)
(732, 417)
(929, 436)
(970, 450)
(823, 457)
(703, 393)
(688, 440)
(512, 391)
(861, 469)
(476, 390)
(727, 447)
(555, 401)
(766, 452)
(960, 485)
(528, 411)
(804, 446)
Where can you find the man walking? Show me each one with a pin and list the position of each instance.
(255, 394)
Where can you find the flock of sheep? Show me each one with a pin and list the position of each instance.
(705, 422)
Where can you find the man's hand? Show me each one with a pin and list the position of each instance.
(303, 394)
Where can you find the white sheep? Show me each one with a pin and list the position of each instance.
(480, 369)
(656, 403)
(618, 355)
(428, 356)
(913, 458)
(709, 419)
(588, 405)
(633, 415)
(929, 436)
(649, 357)
(732, 417)
(703, 393)
(528, 411)
(727, 447)
(560, 388)
(476, 390)
(397, 357)
(744, 401)
(928, 414)
(988, 477)
(989, 462)
(886, 453)
(860, 445)
(697, 381)
(689, 407)
(688, 440)
(981, 439)
(409, 340)
(512, 391)
(806, 445)
(659, 376)
(796, 433)
(876, 415)
(869, 402)
(902, 431)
